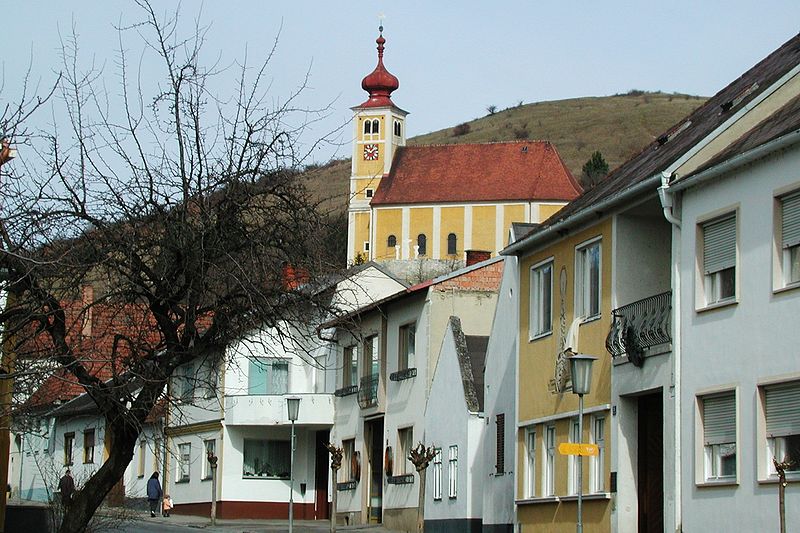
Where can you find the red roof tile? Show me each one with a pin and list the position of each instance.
(505, 171)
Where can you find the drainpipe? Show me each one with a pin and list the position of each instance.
(667, 204)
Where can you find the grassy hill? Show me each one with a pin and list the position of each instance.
(618, 126)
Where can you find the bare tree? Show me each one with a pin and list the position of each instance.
(421, 457)
(172, 216)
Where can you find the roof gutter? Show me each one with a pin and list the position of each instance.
(737, 161)
(652, 182)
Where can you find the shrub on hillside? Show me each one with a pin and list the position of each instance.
(461, 129)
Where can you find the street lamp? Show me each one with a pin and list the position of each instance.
(580, 366)
(293, 405)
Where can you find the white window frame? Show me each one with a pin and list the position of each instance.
(530, 462)
(597, 474)
(710, 273)
(452, 472)
(541, 304)
(572, 460)
(140, 464)
(773, 443)
(787, 238)
(715, 451)
(369, 192)
(707, 450)
(549, 461)
(437, 474)
(583, 280)
(405, 441)
(407, 345)
(348, 449)
(350, 366)
(184, 467)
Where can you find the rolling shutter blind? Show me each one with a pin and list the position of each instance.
(783, 409)
(719, 245)
(719, 418)
(790, 220)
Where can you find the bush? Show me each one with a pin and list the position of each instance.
(461, 129)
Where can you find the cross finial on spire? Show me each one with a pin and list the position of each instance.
(381, 16)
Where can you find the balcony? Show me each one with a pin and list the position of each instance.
(270, 410)
(400, 375)
(639, 326)
(346, 391)
(368, 392)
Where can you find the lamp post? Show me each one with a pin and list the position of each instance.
(580, 366)
(293, 406)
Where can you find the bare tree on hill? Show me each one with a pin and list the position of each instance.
(180, 210)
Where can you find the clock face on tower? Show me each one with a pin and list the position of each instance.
(370, 152)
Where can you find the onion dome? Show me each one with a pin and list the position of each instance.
(379, 83)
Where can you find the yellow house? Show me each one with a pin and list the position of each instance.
(565, 307)
(437, 202)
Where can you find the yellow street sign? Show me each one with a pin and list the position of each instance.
(578, 448)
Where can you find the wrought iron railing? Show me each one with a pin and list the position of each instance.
(368, 392)
(346, 391)
(400, 375)
(640, 325)
(404, 479)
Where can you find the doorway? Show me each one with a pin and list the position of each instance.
(373, 433)
(321, 506)
(650, 468)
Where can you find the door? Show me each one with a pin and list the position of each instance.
(321, 506)
(374, 437)
(650, 477)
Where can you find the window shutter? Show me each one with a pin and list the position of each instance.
(719, 418)
(500, 465)
(719, 245)
(790, 220)
(783, 409)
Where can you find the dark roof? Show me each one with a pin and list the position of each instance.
(471, 354)
(676, 141)
(778, 124)
(476, 349)
(520, 229)
(498, 171)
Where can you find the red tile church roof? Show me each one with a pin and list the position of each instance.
(462, 173)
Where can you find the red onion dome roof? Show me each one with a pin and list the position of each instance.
(380, 82)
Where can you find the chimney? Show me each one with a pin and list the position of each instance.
(476, 256)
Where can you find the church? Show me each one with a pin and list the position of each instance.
(439, 202)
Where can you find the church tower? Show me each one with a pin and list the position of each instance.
(379, 130)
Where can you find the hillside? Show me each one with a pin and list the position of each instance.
(619, 126)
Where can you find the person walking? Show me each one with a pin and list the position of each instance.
(154, 493)
(66, 486)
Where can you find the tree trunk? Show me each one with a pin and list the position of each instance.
(333, 500)
(421, 506)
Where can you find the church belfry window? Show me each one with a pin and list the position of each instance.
(422, 242)
(367, 127)
(397, 128)
(452, 240)
(391, 242)
(376, 126)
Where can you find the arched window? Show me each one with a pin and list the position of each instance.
(422, 241)
(397, 128)
(367, 127)
(376, 126)
(452, 240)
(391, 242)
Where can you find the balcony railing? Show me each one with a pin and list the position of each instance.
(400, 375)
(346, 391)
(368, 392)
(640, 325)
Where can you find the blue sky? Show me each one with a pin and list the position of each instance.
(452, 58)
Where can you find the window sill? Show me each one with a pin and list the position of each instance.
(182, 481)
(717, 483)
(789, 287)
(590, 496)
(266, 477)
(347, 485)
(206, 478)
(540, 336)
(537, 500)
(717, 305)
(791, 477)
(592, 318)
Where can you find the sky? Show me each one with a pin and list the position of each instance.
(453, 59)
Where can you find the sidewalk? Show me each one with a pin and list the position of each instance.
(258, 526)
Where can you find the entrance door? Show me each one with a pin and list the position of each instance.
(321, 506)
(373, 432)
(651, 464)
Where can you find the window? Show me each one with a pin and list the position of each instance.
(266, 459)
(348, 447)
(369, 192)
(452, 472)
(790, 237)
(452, 242)
(782, 415)
(500, 442)
(405, 352)
(437, 474)
(366, 246)
(398, 129)
(391, 242)
(422, 244)
(372, 129)
(350, 376)
(69, 444)
(549, 480)
(268, 376)
(184, 383)
(405, 442)
(371, 366)
(573, 468)
(212, 379)
(142, 456)
(88, 446)
(541, 300)
(530, 463)
(210, 446)
(719, 259)
(597, 474)
(587, 280)
(719, 435)
(184, 461)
